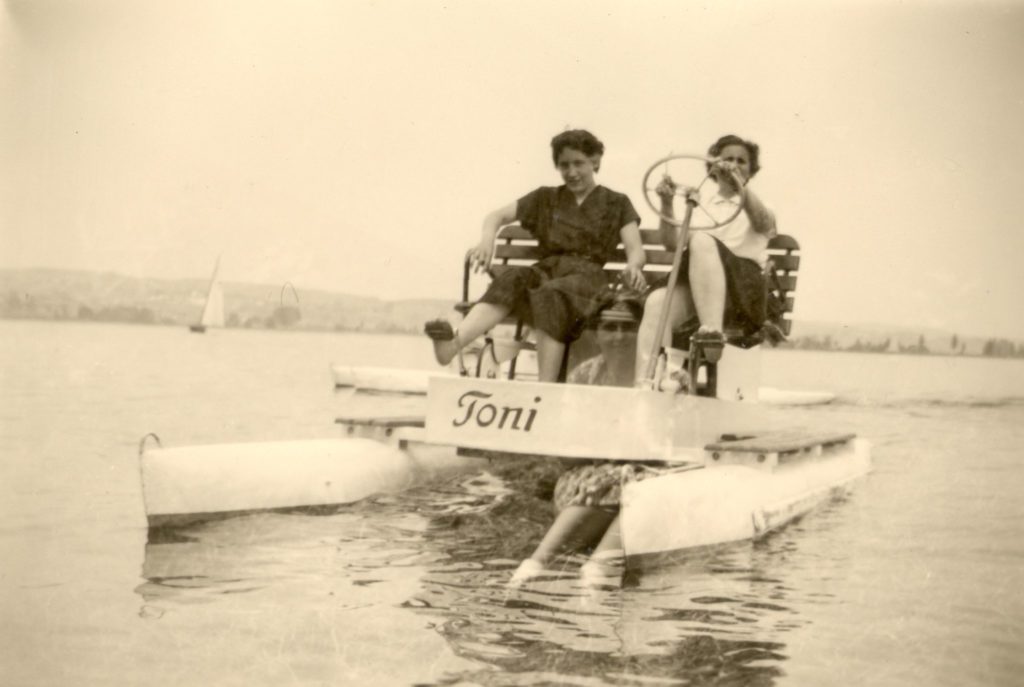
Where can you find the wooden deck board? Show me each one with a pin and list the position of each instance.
(379, 421)
(779, 442)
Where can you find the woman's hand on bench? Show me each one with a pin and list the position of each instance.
(633, 277)
(479, 257)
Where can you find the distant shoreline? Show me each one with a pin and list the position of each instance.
(78, 296)
(991, 349)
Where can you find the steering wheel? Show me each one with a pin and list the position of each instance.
(650, 194)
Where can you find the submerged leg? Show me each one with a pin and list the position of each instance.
(605, 565)
(575, 528)
(611, 543)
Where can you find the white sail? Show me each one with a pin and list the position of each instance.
(213, 311)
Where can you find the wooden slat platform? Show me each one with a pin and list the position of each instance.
(779, 442)
(385, 422)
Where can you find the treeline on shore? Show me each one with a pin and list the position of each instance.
(83, 296)
(16, 306)
(992, 347)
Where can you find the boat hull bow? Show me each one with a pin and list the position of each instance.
(718, 504)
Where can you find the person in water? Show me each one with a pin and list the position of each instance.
(721, 278)
(578, 226)
(616, 338)
(586, 495)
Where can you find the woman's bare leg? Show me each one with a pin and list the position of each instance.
(680, 310)
(606, 563)
(574, 529)
(611, 543)
(481, 319)
(707, 281)
(550, 352)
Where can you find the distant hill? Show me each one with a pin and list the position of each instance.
(106, 296)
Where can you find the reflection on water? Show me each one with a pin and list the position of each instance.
(718, 617)
(657, 629)
(250, 553)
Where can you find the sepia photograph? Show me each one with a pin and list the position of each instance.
(511, 343)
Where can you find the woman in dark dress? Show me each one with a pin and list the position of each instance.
(578, 226)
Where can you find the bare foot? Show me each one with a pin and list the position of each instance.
(444, 338)
(527, 570)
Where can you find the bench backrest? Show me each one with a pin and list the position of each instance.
(782, 267)
(517, 246)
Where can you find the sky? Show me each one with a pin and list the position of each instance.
(355, 146)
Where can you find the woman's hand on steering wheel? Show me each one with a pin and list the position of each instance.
(727, 175)
(666, 189)
(659, 195)
(479, 257)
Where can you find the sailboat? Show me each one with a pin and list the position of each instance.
(213, 310)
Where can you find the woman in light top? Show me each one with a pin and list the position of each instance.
(578, 226)
(721, 280)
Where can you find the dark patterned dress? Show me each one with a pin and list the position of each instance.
(563, 289)
(598, 483)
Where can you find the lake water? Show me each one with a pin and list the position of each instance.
(915, 579)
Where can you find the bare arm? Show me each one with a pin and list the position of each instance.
(669, 232)
(762, 220)
(633, 275)
(480, 254)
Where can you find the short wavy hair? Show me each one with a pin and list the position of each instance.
(577, 139)
(753, 150)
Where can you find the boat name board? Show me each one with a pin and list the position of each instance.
(553, 419)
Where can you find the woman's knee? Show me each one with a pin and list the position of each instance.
(704, 254)
(703, 245)
(655, 299)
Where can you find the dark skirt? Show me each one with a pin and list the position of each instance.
(745, 289)
(556, 295)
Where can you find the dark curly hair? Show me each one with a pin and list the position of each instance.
(577, 139)
(753, 150)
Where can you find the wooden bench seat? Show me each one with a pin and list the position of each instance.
(515, 246)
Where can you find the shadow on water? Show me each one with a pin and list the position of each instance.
(715, 618)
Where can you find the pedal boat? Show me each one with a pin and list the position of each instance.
(734, 471)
